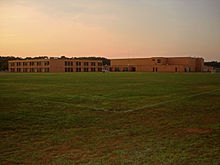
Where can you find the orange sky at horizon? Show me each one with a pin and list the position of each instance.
(116, 29)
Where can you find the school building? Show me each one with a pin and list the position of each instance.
(55, 65)
(155, 64)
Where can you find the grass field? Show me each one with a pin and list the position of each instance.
(111, 118)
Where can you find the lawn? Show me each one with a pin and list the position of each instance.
(110, 118)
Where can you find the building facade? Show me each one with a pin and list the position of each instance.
(55, 65)
(155, 64)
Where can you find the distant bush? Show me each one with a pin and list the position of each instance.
(104, 60)
(214, 64)
(4, 62)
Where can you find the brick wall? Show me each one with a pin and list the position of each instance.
(55, 65)
(161, 64)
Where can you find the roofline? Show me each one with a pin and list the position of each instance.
(53, 60)
(150, 58)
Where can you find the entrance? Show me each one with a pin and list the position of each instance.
(133, 69)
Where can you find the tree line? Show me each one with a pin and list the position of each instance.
(4, 60)
(214, 64)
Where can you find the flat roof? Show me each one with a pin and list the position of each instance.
(54, 60)
(149, 58)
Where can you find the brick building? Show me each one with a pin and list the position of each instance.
(155, 64)
(55, 65)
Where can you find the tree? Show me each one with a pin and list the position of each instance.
(214, 64)
(105, 61)
(4, 62)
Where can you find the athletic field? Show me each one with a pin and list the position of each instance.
(110, 118)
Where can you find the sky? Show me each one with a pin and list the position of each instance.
(110, 28)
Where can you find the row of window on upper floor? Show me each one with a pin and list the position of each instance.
(38, 63)
(46, 63)
(158, 60)
(71, 63)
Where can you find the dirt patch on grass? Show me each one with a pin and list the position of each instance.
(208, 120)
(196, 130)
(204, 87)
(55, 151)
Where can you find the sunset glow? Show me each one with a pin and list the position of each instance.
(110, 28)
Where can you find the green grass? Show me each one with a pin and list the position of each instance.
(50, 118)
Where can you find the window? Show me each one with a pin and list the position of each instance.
(153, 59)
(18, 69)
(25, 70)
(46, 70)
(78, 69)
(31, 63)
(12, 69)
(18, 64)
(86, 69)
(100, 69)
(158, 61)
(110, 69)
(46, 63)
(117, 69)
(68, 69)
(125, 69)
(68, 63)
(32, 70)
(92, 69)
(86, 64)
(99, 63)
(156, 69)
(12, 64)
(39, 69)
(92, 63)
(39, 63)
(176, 69)
(78, 63)
(24, 63)
(153, 69)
